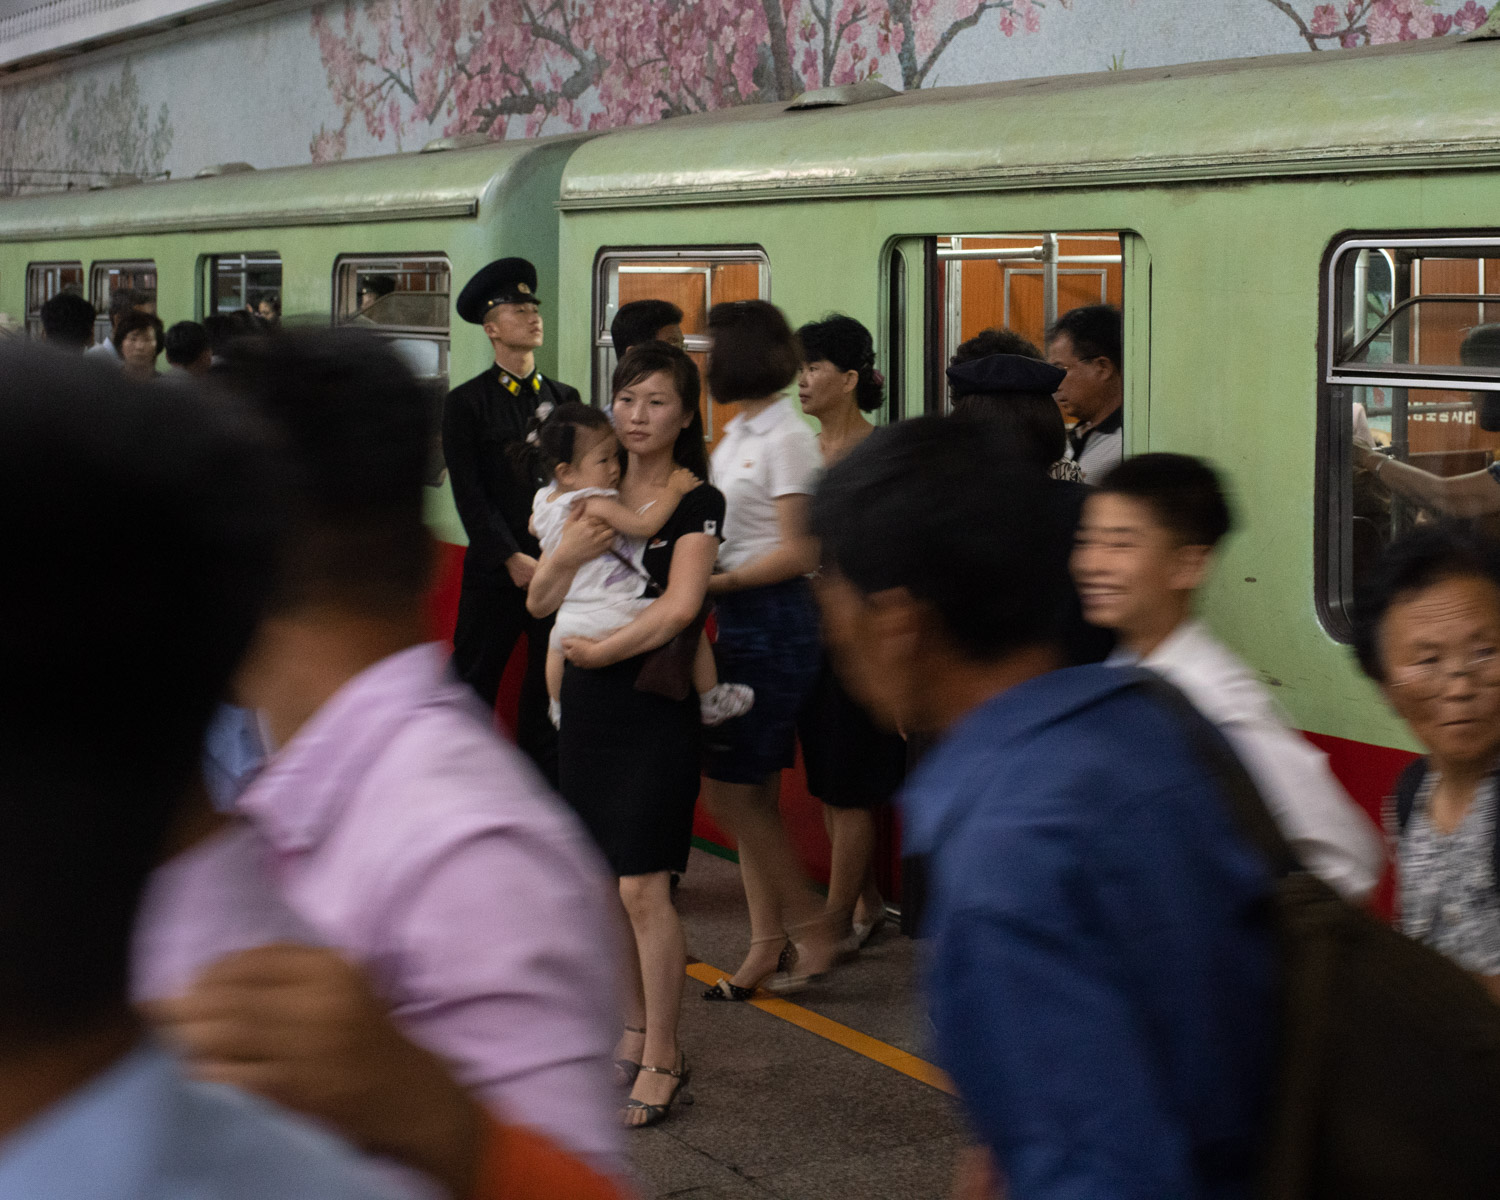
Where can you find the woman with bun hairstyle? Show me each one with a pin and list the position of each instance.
(853, 766)
(766, 465)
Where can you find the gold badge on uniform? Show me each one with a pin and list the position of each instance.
(523, 289)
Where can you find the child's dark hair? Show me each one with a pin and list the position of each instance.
(847, 344)
(1182, 492)
(552, 436)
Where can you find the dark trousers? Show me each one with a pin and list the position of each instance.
(491, 618)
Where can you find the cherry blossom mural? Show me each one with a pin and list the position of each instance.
(1376, 22)
(519, 67)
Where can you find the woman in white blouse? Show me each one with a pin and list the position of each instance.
(766, 466)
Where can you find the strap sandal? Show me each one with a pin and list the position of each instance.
(727, 991)
(655, 1114)
(789, 981)
(626, 1069)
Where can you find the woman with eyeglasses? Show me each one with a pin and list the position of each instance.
(1428, 632)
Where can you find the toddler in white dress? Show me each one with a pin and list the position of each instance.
(579, 446)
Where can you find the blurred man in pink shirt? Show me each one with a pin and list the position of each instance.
(393, 822)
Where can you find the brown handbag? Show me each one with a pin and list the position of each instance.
(668, 670)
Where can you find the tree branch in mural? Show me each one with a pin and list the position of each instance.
(61, 133)
(514, 66)
(1376, 22)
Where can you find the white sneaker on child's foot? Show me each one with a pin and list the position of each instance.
(554, 713)
(725, 702)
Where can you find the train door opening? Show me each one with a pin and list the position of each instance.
(45, 280)
(108, 278)
(945, 289)
(694, 279)
(1411, 371)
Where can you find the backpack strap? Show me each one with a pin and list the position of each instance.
(1408, 786)
(1246, 808)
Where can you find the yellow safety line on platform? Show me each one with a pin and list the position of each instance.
(842, 1035)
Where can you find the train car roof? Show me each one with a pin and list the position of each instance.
(1406, 106)
(414, 186)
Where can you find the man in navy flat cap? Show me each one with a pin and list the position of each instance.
(481, 419)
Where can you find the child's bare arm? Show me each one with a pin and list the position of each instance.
(649, 523)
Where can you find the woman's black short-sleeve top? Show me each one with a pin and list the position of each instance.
(700, 511)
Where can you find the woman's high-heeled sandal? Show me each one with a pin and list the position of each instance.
(657, 1113)
(626, 1069)
(733, 993)
(789, 981)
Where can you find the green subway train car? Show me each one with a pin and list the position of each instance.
(1300, 247)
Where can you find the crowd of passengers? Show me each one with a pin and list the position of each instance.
(297, 872)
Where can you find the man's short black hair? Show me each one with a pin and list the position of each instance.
(755, 353)
(123, 300)
(106, 690)
(1095, 330)
(640, 321)
(68, 320)
(1415, 561)
(936, 506)
(1182, 492)
(223, 327)
(186, 341)
(378, 285)
(355, 425)
(994, 341)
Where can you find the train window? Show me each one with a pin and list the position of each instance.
(694, 279)
(404, 299)
(107, 278)
(248, 281)
(1411, 371)
(45, 280)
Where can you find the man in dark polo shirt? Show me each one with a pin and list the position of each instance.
(481, 420)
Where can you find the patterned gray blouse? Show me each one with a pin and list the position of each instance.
(1448, 896)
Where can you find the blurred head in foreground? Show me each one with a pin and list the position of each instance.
(942, 558)
(138, 547)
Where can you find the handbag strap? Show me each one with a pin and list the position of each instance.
(651, 584)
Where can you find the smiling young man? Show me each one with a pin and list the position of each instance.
(1101, 977)
(1145, 546)
(481, 420)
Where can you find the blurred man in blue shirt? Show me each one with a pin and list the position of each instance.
(1102, 978)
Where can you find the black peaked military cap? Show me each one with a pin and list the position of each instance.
(1004, 373)
(504, 281)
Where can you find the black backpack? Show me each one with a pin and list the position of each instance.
(1388, 1081)
(1408, 785)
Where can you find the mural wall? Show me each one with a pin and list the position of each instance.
(377, 76)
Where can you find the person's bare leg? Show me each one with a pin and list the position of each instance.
(779, 896)
(632, 1041)
(705, 669)
(851, 876)
(662, 953)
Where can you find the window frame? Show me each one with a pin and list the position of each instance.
(102, 266)
(411, 331)
(603, 344)
(32, 316)
(1333, 491)
(208, 265)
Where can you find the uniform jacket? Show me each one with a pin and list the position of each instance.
(481, 420)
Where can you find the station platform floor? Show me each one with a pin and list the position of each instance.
(787, 1111)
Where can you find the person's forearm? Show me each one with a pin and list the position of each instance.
(1472, 495)
(549, 586)
(634, 524)
(787, 561)
(656, 626)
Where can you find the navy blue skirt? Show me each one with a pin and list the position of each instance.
(768, 638)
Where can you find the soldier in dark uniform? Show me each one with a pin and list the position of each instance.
(481, 420)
